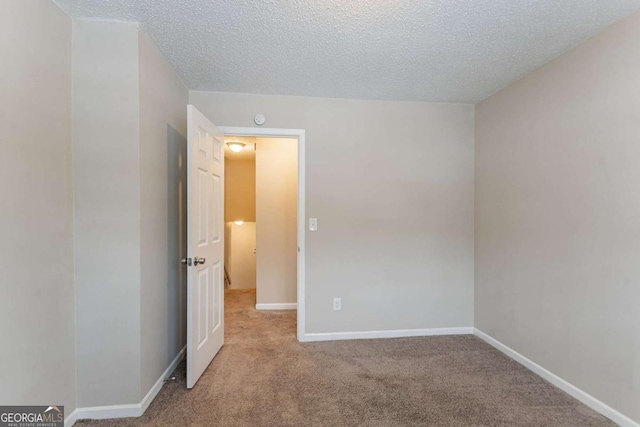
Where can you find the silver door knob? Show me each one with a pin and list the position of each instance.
(197, 261)
(186, 261)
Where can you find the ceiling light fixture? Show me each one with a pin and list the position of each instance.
(236, 147)
(238, 222)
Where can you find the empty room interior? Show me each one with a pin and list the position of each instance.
(320, 213)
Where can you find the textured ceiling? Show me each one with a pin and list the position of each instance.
(421, 50)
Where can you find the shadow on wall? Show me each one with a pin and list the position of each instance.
(177, 238)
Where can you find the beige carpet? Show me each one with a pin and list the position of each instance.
(264, 377)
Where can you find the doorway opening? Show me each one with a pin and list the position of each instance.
(264, 220)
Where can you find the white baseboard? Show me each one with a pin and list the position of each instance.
(71, 419)
(567, 387)
(400, 333)
(113, 411)
(130, 410)
(281, 306)
(158, 385)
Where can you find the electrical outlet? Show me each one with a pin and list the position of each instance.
(313, 224)
(337, 304)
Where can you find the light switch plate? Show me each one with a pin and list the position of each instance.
(313, 224)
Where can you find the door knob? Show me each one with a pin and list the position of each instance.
(186, 261)
(197, 261)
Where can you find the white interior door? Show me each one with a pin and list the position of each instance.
(205, 243)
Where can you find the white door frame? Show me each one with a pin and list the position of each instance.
(287, 133)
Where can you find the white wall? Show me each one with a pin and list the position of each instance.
(276, 216)
(241, 262)
(240, 205)
(36, 210)
(558, 216)
(106, 159)
(130, 177)
(392, 186)
(163, 149)
(239, 189)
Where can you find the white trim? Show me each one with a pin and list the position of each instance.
(562, 384)
(71, 419)
(261, 132)
(125, 411)
(399, 333)
(281, 306)
(288, 133)
(158, 385)
(113, 411)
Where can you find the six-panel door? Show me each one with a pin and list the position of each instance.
(205, 243)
